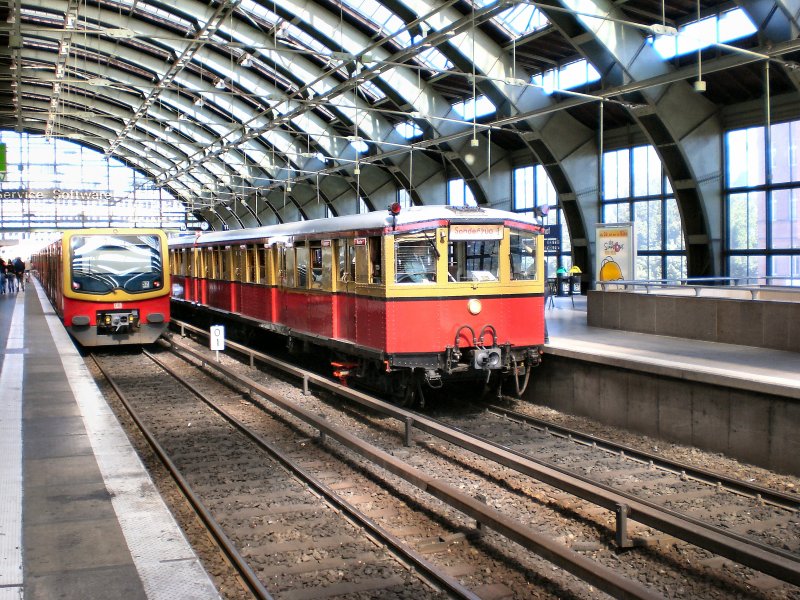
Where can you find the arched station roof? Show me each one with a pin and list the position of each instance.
(240, 107)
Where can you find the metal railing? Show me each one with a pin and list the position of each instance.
(739, 288)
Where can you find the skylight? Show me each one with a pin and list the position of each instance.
(570, 76)
(472, 109)
(518, 20)
(408, 129)
(388, 23)
(360, 146)
(731, 25)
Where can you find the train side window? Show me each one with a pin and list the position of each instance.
(523, 255)
(225, 262)
(240, 263)
(215, 270)
(301, 258)
(415, 258)
(328, 266)
(341, 247)
(288, 268)
(351, 259)
(261, 268)
(347, 260)
(250, 257)
(362, 262)
(375, 259)
(315, 251)
(207, 262)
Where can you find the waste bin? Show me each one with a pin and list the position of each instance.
(563, 284)
(575, 284)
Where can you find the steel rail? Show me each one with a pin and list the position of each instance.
(356, 516)
(743, 551)
(759, 492)
(601, 577)
(225, 544)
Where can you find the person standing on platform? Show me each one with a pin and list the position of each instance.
(2, 276)
(11, 278)
(19, 271)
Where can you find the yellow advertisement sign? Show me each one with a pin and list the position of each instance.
(616, 252)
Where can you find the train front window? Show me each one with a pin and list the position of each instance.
(415, 258)
(102, 263)
(473, 260)
(523, 255)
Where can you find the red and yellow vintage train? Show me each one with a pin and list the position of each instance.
(401, 299)
(108, 286)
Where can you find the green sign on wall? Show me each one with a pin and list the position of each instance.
(2, 162)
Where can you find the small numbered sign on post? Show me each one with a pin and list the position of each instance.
(217, 337)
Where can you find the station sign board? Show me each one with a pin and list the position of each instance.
(552, 239)
(55, 194)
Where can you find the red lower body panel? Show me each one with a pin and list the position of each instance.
(425, 325)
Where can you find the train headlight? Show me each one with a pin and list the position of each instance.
(474, 306)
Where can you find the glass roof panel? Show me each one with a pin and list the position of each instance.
(389, 23)
(408, 129)
(518, 20)
(730, 25)
(159, 14)
(471, 108)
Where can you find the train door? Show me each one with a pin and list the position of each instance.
(345, 313)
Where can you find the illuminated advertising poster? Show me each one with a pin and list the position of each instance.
(616, 252)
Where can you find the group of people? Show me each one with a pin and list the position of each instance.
(12, 275)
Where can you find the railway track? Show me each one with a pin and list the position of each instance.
(290, 535)
(757, 555)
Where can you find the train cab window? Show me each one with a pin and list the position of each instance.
(523, 255)
(415, 258)
(101, 263)
(473, 260)
(315, 251)
(301, 259)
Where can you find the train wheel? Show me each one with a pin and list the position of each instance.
(407, 390)
(493, 388)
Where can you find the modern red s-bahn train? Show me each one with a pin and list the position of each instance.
(401, 299)
(108, 286)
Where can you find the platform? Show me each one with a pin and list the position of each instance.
(742, 367)
(79, 516)
(742, 401)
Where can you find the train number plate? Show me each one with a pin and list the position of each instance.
(117, 304)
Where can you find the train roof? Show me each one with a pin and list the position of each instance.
(379, 219)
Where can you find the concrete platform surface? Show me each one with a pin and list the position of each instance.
(80, 517)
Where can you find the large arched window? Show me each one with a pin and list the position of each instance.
(636, 189)
(58, 184)
(532, 188)
(763, 204)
